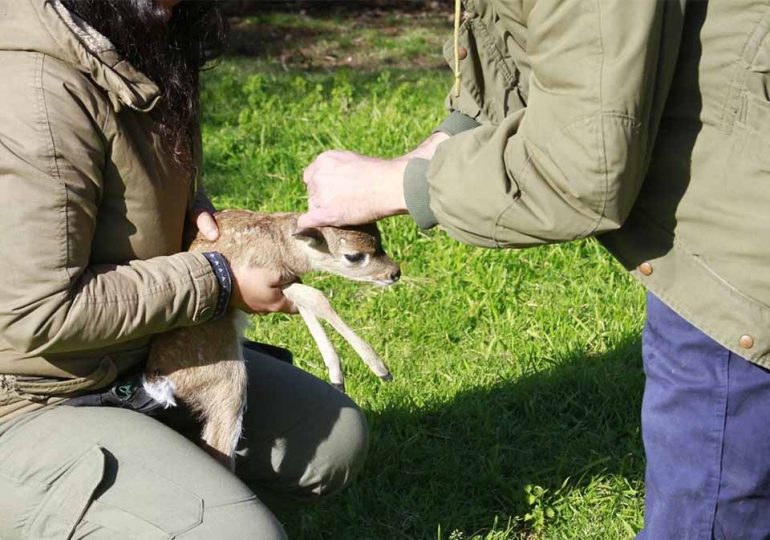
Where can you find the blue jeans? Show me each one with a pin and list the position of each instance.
(706, 432)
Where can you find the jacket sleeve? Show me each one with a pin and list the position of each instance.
(569, 164)
(52, 300)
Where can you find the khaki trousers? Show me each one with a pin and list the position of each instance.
(107, 473)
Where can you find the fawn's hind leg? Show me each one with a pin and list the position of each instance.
(203, 366)
(221, 408)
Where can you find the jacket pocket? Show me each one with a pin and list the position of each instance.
(488, 77)
(755, 116)
(40, 388)
(754, 109)
(68, 498)
(139, 503)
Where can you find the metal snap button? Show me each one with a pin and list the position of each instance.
(645, 268)
(746, 341)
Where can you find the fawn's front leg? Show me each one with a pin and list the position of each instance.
(328, 352)
(314, 301)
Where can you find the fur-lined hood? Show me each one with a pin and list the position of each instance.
(46, 26)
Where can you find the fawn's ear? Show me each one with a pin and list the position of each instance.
(311, 235)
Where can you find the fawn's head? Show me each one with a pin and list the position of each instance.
(353, 252)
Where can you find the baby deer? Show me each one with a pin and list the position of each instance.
(203, 365)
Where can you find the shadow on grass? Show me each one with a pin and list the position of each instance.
(462, 463)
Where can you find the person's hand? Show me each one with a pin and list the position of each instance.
(206, 223)
(202, 215)
(259, 290)
(345, 188)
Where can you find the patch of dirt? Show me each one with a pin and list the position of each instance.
(323, 7)
(365, 40)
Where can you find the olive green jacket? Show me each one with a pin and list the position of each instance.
(645, 123)
(92, 212)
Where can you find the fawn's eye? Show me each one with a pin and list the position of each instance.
(354, 257)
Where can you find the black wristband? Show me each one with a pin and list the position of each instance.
(224, 277)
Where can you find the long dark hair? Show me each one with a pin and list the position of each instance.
(170, 53)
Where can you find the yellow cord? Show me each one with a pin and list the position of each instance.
(457, 48)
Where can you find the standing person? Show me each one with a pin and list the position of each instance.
(644, 123)
(99, 161)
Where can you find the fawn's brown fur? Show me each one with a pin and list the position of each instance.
(203, 365)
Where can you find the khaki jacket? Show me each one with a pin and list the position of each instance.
(92, 213)
(643, 122)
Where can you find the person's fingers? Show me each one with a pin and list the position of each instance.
(278, 304)
(286, 306)
(308, 220)
(319, 217)
(328, 158)
(307, 174)
(206, 224)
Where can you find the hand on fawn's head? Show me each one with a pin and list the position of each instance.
(352, 252)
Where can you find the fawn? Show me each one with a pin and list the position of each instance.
(203, 365)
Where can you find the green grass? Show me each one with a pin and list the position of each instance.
(514, 410)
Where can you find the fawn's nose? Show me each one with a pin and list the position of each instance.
(395, 275)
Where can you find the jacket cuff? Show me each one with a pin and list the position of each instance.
(455, 123)
(416, 193)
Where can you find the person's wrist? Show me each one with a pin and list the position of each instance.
(236, 297)
(393, 199)
(427, 149)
